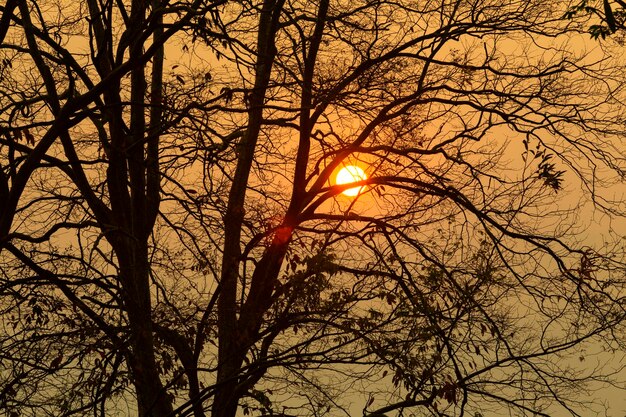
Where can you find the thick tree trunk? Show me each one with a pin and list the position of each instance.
(139, 201)
(151, 396)
(231, 351)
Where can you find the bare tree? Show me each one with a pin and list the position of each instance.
(174, 242)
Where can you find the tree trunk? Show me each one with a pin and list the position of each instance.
(151, 396)
(231, 352)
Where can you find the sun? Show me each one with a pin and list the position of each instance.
(350, 174)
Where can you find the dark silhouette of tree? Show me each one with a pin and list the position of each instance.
(607, 16)
(173, 242)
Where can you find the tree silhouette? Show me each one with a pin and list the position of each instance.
(610, 15)
(173, 242)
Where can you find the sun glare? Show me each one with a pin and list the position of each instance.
(350, 174)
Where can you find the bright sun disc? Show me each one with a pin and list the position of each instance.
(350, 174)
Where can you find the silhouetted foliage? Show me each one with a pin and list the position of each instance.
(611, 15)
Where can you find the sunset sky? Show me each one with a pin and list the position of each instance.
(179, 233)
